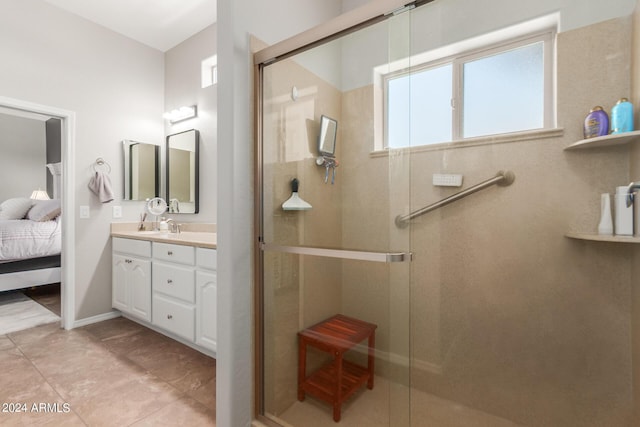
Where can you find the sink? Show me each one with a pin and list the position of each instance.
(184, 236)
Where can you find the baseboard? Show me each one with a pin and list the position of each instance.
(95, 319)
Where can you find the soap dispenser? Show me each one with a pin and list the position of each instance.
(164, 225)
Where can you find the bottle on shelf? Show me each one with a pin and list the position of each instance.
(622, 116)
(606, 223)
(596, 123)
(623, 213)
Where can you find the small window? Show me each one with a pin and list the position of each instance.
(503, 89)
(210, 71)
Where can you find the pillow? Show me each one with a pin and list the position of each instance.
(44, 210)
(15, 208)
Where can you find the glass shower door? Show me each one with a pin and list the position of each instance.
(335, 269)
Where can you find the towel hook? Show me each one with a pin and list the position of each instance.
(100, 162)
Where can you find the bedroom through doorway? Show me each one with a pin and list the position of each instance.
(30, 223)
(35, 223)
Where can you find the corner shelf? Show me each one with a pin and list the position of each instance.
(606, 141)
(602, 237)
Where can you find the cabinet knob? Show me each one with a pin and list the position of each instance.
(169, 281)
(169, 253)
(169, 316)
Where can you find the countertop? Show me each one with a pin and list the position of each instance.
(198, 235)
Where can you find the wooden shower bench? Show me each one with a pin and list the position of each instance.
(338, 380)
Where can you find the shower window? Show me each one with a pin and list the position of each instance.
(503, 89)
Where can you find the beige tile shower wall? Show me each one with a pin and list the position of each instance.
(634, 165)
(373, 292)
(507, 315)
(299, 291)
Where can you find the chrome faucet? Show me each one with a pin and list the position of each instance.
(631, 191)
(174, 227)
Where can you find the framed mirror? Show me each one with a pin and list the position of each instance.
(182, 171)
(327, 137)
(141, 170)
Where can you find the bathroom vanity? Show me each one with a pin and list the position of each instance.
(167, 282)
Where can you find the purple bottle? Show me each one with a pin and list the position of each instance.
(596, 123)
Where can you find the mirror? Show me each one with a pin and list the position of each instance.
(182, 172)
(327, 137)
(141, 170)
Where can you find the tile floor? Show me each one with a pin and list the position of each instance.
(389, 404)
(47, 296)
(112, 373)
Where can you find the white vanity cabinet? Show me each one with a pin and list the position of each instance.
(207, 298)
(131, 269)
(170, 287)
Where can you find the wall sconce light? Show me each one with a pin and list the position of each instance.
(182, 113)
(39, 195)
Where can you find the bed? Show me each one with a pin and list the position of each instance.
(30, 243)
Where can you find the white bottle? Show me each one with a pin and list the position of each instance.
(606, 224)
(624, 213)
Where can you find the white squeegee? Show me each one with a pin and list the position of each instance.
(295, 203)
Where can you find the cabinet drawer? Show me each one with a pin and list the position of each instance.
(131, 246)
(174, 316)
(207, 258)
(175, 281)
(174, 253)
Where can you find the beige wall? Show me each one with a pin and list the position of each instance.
(507, 315)
(299, 291)
(634, 164)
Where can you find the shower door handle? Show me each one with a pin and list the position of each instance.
(385, 257)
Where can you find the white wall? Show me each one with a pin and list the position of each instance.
(183, 88)
(23, 159)
(114, 85)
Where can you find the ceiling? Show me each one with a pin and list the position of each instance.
(161, 24)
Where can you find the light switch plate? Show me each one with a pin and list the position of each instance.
(117, 211)
(84, 212)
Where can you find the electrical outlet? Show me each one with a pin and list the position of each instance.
(84, 212)
(117, 211)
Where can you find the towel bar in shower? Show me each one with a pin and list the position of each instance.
(503, 178)
(386, 257)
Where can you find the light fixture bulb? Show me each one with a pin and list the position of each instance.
(180, 114)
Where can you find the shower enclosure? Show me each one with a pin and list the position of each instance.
(438, 215)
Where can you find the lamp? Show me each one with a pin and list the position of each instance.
(182, 113)
(39, 195)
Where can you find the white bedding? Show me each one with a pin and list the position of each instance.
(22, 239)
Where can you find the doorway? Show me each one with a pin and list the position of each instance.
(67, 197)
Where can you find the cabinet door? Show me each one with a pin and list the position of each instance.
(139, 282)
(206, 310)
(119, 271)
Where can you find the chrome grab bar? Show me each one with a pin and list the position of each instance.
(503, 178)
(386, 257)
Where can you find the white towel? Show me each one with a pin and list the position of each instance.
(100, 185)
